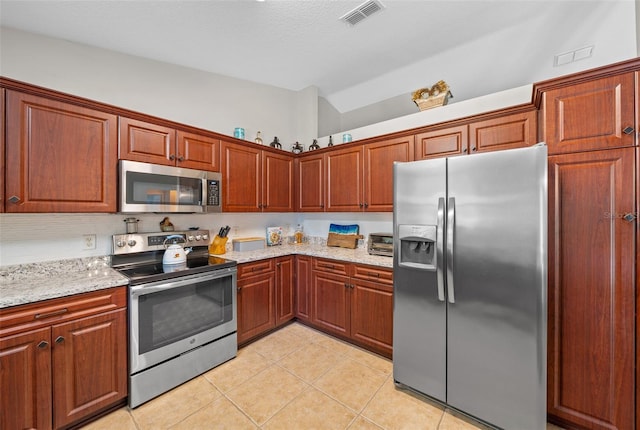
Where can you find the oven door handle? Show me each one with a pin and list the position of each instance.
(144, 289)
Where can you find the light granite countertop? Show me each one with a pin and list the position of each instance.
(33, 282)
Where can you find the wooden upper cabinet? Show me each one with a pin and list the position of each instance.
(156, 144)
(507, 132)
(344, 179)
(592, 297)
(241, 176)
(59, 157)
(442, 143)
(197, 152)
(277, 182)
(310, 183)
(145, 142)
(255, 180)
(378, 171)
(593, 115)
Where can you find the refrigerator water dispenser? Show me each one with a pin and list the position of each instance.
(417, 246)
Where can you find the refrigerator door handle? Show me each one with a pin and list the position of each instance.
(451, 219)
(439, 249)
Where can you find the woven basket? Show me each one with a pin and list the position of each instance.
(434, 101)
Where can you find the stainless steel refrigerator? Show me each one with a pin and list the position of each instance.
(470, 281)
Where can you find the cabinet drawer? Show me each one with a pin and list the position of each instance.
(256, 267)
(372, 273)
(332, 266)
(28, 317)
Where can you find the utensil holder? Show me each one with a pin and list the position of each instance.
(218, 246)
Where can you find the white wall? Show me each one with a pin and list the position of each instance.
(189, 96)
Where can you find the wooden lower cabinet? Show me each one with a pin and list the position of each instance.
(265, 296)
(591, 296)
(354, 302)
(303, 288)
(63, 360)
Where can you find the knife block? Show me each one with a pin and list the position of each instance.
(218, 245)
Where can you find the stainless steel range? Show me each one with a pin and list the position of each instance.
(182, 318)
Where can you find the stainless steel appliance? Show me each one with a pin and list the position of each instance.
(380, 244)
(181, 322)
(470, 272)
(148, 187)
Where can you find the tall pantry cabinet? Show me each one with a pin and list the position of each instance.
(589, 124)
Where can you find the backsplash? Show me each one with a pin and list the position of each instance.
(29, 238)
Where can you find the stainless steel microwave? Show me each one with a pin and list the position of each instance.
(148, 187)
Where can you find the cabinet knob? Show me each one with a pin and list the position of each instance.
(181, 158)
(43, 344)
(361, 205)
(630, 217)
(239, 288)
(13, 199)
(474, 149)
(172, 157)
(465, 150)
(59, 339)
(628, 130)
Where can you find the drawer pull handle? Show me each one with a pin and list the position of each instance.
(51, 314)
(43, 344)
(377, 275)
(59, 339)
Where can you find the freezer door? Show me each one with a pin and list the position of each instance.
(496, 365)
(419, 309)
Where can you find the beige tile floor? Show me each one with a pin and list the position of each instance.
(295, 378)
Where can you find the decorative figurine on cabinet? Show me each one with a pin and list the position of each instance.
(314, 145)
(275, 143)
(297, 148)
(330, 144)
(259, 138)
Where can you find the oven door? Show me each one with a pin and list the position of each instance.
(168, 318)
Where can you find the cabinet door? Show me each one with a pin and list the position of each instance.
(303, 287)
(310, 183)
(331, 303)
(256, 312)
(372, 315)
(59, 157)
(591, 115)
(25, 378)
(344, 176)
(507, 132)
(197, 152)
(378, 168)
(2, 145)
(442, 143)
(241, 176)
(277, 182)
(148, 143)
(89, 359)
(285, 303)
(591, 298)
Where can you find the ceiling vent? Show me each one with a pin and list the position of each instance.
(365, 10)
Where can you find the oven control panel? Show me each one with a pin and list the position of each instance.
(141, 242)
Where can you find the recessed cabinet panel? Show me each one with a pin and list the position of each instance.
(59, 157)
(310, 183)
(197, 152)
(147, 143)
(277, 183)
(344, 176)
(591, 298)
(241, 170)
(508, 132)
(442, 143)
(591, 115)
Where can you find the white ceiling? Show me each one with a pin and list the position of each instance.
(477, 46)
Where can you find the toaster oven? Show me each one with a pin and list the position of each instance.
(380, 244)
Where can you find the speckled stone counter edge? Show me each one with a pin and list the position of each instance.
(33, 282)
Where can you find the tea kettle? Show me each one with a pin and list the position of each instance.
(175, 255)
